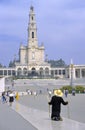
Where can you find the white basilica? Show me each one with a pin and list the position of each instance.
(31, 57)
(32, 62)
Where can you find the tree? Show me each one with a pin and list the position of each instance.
(11, 63)
(1, 65)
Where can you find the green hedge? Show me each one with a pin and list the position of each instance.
(78, 88)
(69, 88)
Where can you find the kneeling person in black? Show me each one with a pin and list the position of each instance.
(56, 101)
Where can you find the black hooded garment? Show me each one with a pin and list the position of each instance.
(56, 104)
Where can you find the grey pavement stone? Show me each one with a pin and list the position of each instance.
(76, 103)
(41, 120)
(10, 120)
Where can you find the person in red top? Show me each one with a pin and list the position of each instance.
(56, 101)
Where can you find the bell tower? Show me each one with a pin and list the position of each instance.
(32, 29)
(35, 52)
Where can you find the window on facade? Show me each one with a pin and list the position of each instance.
(13, 72)
(32, 17)
(5, 72)
(1, 72)
(83, 73)
(56, 72)
(32, 34)
(9, 72)
(59, 72)
(52, 72)
(63, 72)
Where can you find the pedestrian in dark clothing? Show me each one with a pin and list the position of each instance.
(11, 98)
(56, 101)
(66, 92)
(3, 97)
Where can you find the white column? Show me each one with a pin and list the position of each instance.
(3, 72)
(61, 72)
(11, 72)
(74, 77)
(80, 73)
(7, 72)
(70, 73)
(57, 72)
(66, 73)
(16, 72)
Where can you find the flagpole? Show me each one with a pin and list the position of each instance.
(71, 66)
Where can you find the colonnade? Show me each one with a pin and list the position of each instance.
(78, 71)
(7, 72)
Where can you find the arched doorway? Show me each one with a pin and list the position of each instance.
(25, 71)
(83, 73)
(41, 72)
(77, 73)
(33, 72)
(19, 71)
(46, 72)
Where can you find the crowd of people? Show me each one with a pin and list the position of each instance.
(9, 97)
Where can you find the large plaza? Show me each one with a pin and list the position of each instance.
(76, 105)
(31, 111)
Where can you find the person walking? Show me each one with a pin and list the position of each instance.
(4, 97)
(17, 96)
(11, 98)
(56, 101)
(66, 92)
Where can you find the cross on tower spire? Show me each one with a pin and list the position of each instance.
(31, 2)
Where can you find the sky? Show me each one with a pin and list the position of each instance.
(60, 24)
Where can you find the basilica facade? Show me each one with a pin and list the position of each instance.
(31, 57)
(32, 63)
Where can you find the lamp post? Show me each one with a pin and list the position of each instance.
(14, 59)
(71, 83)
